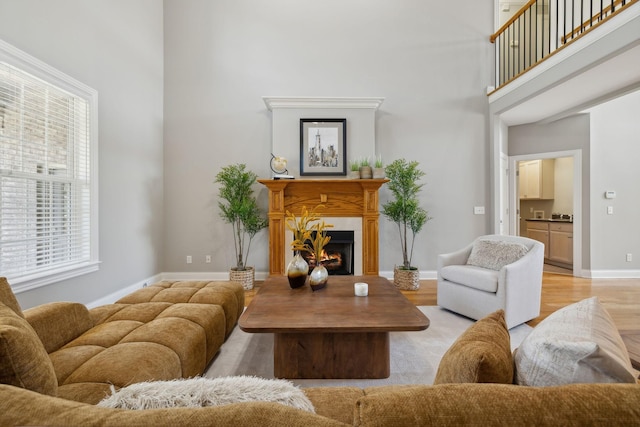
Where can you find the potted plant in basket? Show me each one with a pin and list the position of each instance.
(238, 206)
(405, 211)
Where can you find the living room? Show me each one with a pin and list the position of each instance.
(181, 86)
(180, 96)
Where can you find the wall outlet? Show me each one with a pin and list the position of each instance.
(189, 259)
(629, 257)
(478, 210)
(610, 210)
(207, 259)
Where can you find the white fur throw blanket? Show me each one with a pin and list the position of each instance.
(200, 391)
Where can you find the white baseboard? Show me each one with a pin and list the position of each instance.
(613, 274)
(115, 296)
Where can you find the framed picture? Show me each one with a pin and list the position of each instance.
(323, 147)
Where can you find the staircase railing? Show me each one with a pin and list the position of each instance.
(543, 27)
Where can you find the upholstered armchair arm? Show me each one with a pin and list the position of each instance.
(458, 257)
(521, 282)
(58, 323)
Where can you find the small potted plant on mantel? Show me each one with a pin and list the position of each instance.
(405, 211)
(239, 207)
(378, 168)
(354, 172)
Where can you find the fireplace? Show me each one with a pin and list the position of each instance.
(348, 204)
(338, 254)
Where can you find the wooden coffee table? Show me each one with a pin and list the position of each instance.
(331, 333)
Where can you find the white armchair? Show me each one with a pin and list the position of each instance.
(505, 272)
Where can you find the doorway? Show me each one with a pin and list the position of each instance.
(558, 223)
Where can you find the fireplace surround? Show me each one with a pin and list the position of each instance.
(344, 200)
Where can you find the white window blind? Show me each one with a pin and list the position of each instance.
(46, 186)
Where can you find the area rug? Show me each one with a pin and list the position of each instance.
(414, 355)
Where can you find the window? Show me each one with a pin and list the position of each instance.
(48, 187)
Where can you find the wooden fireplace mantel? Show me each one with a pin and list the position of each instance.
(340, 197)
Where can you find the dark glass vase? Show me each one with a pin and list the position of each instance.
(297, 271)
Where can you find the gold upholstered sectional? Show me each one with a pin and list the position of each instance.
(165, 331)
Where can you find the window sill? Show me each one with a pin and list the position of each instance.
(27, 283)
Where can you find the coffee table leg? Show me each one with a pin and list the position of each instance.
(331, 355)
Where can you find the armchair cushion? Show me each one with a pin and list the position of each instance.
(576, 344)
(24, 362)
(474, 277)
(495, 254)
(482, 354)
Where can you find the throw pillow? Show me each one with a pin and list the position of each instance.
(495, 254)
(482, 354)
(201, 391)
(23, 360)
(576, 344)
(8, 298)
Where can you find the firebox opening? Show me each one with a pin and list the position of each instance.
(338, 254)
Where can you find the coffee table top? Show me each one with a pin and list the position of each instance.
(277, 308)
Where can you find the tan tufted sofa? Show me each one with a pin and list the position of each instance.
(165, 331)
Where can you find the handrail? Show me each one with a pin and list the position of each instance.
(513, 19)
(543, 27)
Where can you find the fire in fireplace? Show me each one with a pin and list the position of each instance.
(337, 256)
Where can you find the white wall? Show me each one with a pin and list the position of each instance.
(430, 61)
(116, 47)
(614, 166)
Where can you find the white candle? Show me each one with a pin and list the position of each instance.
(361, 289)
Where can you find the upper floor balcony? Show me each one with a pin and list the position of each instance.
(558, 57)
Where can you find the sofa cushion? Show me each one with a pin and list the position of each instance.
(495, 254)
(200, 391)
(479, 278)
(501, 405)
(23, 359)
(482, 354)
(576, 344)
(8, 298)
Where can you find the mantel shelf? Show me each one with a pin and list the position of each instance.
(321, 102)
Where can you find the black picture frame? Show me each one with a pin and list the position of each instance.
(323, 147)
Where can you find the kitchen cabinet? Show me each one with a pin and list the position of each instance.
(561, 243)
(536, 179)
(557, 238)
(539, 230)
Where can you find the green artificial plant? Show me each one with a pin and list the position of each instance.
(404, 209)
(239, 207)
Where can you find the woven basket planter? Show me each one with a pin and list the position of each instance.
(407, 280)
(245, 277)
